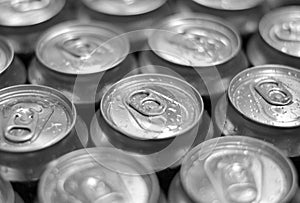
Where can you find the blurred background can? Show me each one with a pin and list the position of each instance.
(202, 49)
(234, 169)
(82, 60)
(12, 70)
(37, 126)
(244, 15)
(280, 3)
(263, 102)
(129, 15)
(22, 21)
(7, 194)
(277, 41)
(98, 175)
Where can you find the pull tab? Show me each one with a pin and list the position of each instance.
(274, 92)
(79, 47)
(289, 31)
(29, 5)
(22, 125)
(147, 102)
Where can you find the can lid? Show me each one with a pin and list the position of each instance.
(124, 7)
(33, 118)
(229, 4)
(97, 175)
(195, 40)
(6, 54)
(152, 106)
(6, 192)
(281, 30)
(267, 94)
(82, 48)
(238, 169)
(28, 12)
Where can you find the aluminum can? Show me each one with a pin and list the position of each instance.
(12, 70)
(277, 41)
(263, 102)
(26, 21)
(234, 169)
(37, 126)
(280, 3)
(132, 16)
(98, 175)
(202, 49)
(7, 194)
(244, 15)
(82, 60)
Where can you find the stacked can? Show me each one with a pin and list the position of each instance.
(98, 175)
(204, 50)
(37, 126)
(132, 16)
(244, 15)
(7, 195)
(280, 3)
(82, 60)
(234, 169)
(278, 38)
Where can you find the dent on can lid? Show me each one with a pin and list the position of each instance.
(229, 4)
(268, 94)
(281, 30)
(82, 48)
(152, 106)
(238, 169)
(124, 7)
(96, 175)
(28, 12)
(33, 117)
(6, 54)
(6, 192)
(195, 40)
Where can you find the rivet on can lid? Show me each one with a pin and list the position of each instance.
(229, 4)
(195, 40)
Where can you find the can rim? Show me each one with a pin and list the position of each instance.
(253, 69)
(194, 16)
(89, 153)
(69, 26)
(132, 78)
(238, 139)
(32, 89)
(229, 10)
(8, 46)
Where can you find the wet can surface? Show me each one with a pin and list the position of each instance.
(234, 169)
(263, 102)
(277, 41)
(202, 49)
(37, 126)
(27, 20)
(12, 70)
(98, 175)
(132, 16)
(81, 60)
(244, 15)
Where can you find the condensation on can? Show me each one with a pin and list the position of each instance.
(37, 126)
(98, 175)
(234, 169)
(277, 41)
(12, 70)
(263, 102)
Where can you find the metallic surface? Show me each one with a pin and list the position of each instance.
(6, 192)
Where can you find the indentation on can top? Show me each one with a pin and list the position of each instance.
(229, 4)
(195, 40)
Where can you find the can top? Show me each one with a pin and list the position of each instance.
(229, 4)
(238, 169)
(124, 7)
(6, 54)
(267, 94)
(28, 12)
(152, 106)
(195, 40)
(6, 192)
(97, 175)
(281, 30)
(82, 48)
(33, 118)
